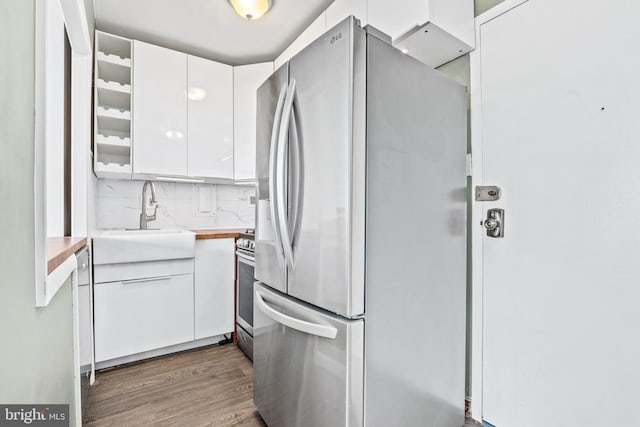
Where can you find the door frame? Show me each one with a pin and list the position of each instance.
(46, 286)
(477, 211)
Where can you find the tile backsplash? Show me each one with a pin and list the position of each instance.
(118, 205)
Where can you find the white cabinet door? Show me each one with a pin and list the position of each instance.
(159, 110)
(210, 118)
(313, 31)
(397, 17)
(340, 9)
(246, 80)
(214, 287)
(140, 315)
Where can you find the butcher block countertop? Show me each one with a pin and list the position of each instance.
(61, 248)
(223, 233)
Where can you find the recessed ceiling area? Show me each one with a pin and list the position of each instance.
(209, 28)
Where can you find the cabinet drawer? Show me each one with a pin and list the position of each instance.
(141, 315)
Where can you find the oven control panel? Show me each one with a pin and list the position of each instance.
(246, 244)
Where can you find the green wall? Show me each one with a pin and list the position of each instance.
(36, 359)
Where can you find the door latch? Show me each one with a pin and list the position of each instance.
(494, 224)
(488, 193)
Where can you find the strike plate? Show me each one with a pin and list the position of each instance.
(488, 193)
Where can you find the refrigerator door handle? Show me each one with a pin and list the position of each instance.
(298, 179)
(273, 194)
(294, 323)
(280, 174)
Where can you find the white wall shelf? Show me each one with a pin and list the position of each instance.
(112, 124)
(114, 113)
(112, 107)
(113, 99)
(112, 145)
(112, 170)
(113, 59)
(112, 72)
(113, 86)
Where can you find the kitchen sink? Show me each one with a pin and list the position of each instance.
(125, 246)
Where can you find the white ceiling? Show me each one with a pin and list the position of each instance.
(209, 28)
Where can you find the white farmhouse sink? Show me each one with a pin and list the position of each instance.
(123, 246)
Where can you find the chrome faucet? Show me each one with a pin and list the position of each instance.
(144, 218)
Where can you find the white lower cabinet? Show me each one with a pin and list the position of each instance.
(134, 316)
(214, 287)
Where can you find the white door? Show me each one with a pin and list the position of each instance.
(159, 110)
(559, 120)
(210, 118)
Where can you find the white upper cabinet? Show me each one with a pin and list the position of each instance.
(182, 115)
(159, 110)
(210, 119)
(246, 80)
(397, 17)
(313, 31)
(433, 31)
(340, 9)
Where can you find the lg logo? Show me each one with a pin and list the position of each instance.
(335, 38)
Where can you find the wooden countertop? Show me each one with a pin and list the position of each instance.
(223, 233)
(60, 248)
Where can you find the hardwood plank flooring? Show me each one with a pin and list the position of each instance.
(211, 386)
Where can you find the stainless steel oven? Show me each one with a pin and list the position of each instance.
(245, 252)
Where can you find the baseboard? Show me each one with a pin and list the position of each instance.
(159, 352)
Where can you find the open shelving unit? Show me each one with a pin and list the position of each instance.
(112, 107)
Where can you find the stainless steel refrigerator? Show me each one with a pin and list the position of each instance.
(359, 308)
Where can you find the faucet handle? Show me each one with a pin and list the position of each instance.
(155, 209)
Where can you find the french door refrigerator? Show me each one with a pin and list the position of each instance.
(359, 304)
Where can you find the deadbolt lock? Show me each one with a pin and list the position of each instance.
(494, 224)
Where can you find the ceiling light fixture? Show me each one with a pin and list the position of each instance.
(251, 9)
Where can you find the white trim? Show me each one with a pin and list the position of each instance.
(477, 208)
(39, 166)
(76, 26)
(46, 286)
(75, 18)
(55, 280)
(81, 91)
(59, 276)
(161, 351)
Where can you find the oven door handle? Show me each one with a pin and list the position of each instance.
(294, 323)
(245, 257)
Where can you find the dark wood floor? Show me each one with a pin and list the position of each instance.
(212, 386)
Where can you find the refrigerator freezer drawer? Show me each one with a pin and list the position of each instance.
(308, 365)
